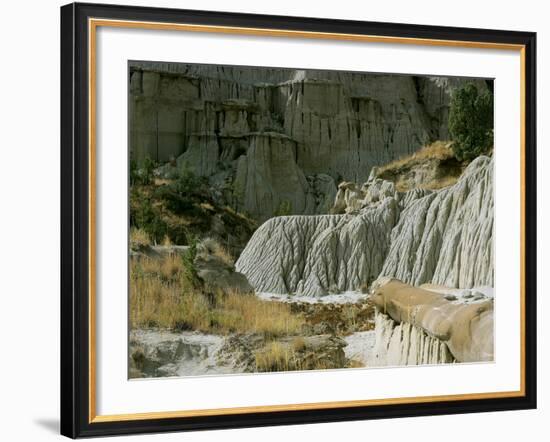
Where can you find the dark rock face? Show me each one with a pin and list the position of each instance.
(265, 131)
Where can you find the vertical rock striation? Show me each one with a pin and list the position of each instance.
(443, 237)
(446, 236)
(339, 124)
(318, 255)
(402, 343)
(414, 326)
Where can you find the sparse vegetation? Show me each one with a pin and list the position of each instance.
(139, 238)
(146, 216)
(177, 211)
(276, 357)
(185, 194)
(142, 174)
(284, 209)
(340, 319)
(164, 293)
(213, 247)
(246, 313)
(438, 150)
(295, 354)
(471, 122)
(432, 167)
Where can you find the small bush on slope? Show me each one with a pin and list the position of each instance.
(471, 122)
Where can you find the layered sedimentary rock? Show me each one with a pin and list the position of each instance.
(443, 237)
(446, 237)
(318, 255)
(402, 343)
(268, 178)
(339, 124)
(417, 326)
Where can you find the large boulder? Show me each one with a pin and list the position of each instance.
(217, 272)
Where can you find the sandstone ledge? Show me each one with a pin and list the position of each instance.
(467, 329)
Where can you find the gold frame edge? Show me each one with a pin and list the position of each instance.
(93, 23)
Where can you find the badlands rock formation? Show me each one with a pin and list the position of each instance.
(417, 326)
(446, 237)
(261, 131)
(443, 237)
(319, 255)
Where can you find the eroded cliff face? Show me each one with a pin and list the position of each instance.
(443, 237)
(446, 237)
(310, 128)
(318, 255)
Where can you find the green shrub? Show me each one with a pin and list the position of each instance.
(142, 175)
(144, 215)
(471, 122)
(181, 195)
(188, 258)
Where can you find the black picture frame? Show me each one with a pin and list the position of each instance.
(75, 220)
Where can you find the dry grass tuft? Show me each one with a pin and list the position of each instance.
(275, 357)
(164, 294)
(139, 238)
(207, 206)
(161, 293)
(247, 313)
(438, 150)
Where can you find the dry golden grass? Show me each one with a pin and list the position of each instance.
(207, 206)
(439, 150)
(139, 238)
(163, 294)
(275, 357)
(246, 313)
(285, 356)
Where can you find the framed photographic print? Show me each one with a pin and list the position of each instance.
(274, 220)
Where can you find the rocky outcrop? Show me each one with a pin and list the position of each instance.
(416, 326)
(163, 353)
(339, 124)
(443, 237)
(318, 255)
(268, 178)
(217, 272)
(446, 237)
(402, 343)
